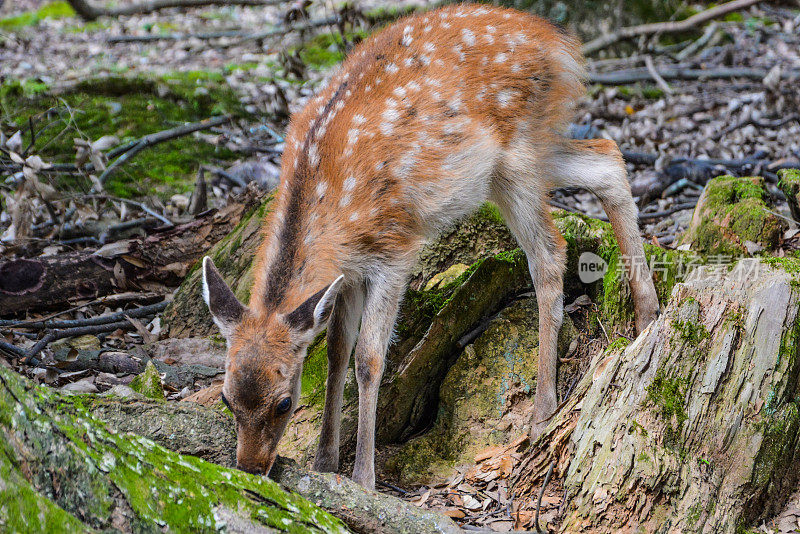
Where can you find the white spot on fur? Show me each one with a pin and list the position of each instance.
(407, 40)
(515, 67)
(345, 200)
(445, 25)
(457, 51)
(313, 155)
(491, 29)
(321, 188)
(391, 68)
(349, 183)
(467, 36)
(352, 135)
(504, 97)
(428, 47)
(413, 86)
(425, 59)
(427, 28)
(409, 61)
(399, 92)
(368, 88)
(500, 58)
(354, 216)
(359, 119)
(489, 39)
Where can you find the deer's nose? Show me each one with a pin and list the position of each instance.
(253, 469)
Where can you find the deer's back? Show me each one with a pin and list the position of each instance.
(405, 137)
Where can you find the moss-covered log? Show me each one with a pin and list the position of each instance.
(189, 428)
(61, 470)
(733, 219)
(695, 427)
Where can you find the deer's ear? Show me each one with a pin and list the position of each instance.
(313, 314)
(225, 308)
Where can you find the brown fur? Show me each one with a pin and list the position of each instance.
(423, 123)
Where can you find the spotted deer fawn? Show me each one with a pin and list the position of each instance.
(424, 122)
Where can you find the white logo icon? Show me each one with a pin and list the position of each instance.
(591, 267)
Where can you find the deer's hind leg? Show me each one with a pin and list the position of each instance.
(597, 165)
(520, 192)
(341, 337)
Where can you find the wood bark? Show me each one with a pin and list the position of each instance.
(163, 257)
(695, 427)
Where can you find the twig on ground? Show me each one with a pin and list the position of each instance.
(628, 76)
(648, 61)
(160, 137)
(696, 45)
(680, 26)
(89, 12)
(144, 311)
(54, 335)
(139, 205)
(541, 494)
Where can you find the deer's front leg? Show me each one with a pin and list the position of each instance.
(342, 331)
(380, 312)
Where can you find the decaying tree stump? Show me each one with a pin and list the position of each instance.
(695, 426)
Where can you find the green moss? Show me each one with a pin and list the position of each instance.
(667, 395)
(733, 211)
(618, 344)
(315, 372)
(646, 91)
(148, 383)
(96, 470)
(691, 332)
(491, 212)
(128, 108)
(327, 49)
(53, 10)
(779, 434)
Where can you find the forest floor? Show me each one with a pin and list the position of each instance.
(690, 131)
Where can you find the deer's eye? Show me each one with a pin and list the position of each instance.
(284, 405)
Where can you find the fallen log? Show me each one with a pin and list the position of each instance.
(189, 428)
(65, 471)
(163, 257)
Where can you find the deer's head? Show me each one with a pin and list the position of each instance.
(264, 363)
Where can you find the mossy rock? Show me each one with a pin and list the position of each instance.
(484, 400)
(148, 383)
(61, 470)
(789, 183)
(731, 214)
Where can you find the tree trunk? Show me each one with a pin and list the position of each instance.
(695, 426)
